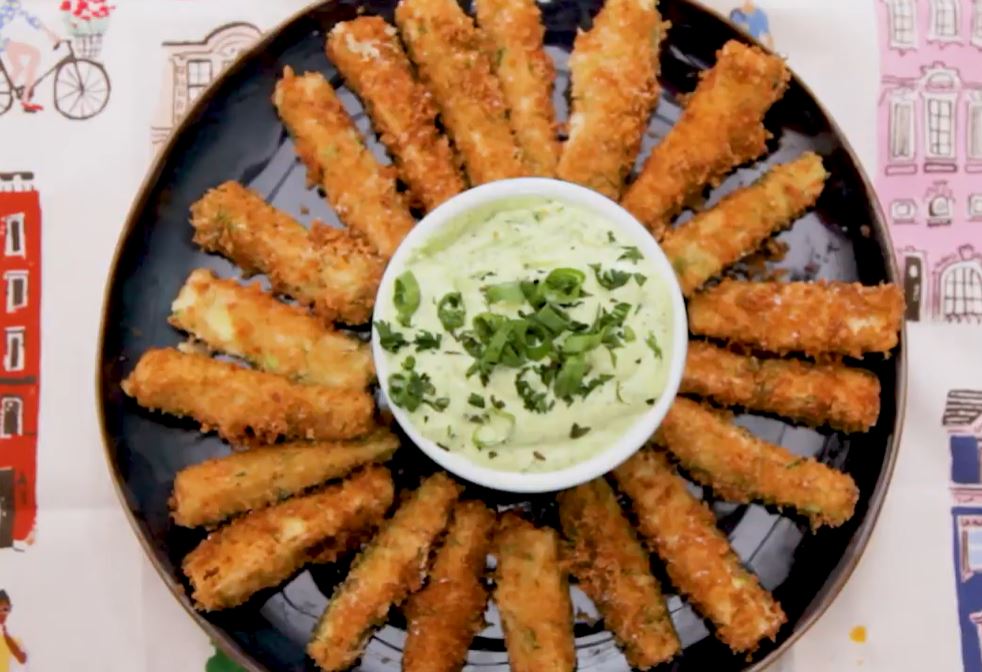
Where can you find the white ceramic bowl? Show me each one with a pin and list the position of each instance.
(629, 228)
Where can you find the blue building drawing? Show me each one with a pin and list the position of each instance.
(963, 421)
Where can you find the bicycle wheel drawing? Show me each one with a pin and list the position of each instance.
(81, 88)
(6, 93)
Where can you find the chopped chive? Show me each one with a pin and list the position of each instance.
(406, 298)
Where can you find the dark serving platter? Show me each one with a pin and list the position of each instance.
(233, 133)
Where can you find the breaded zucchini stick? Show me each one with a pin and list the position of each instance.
(532, 595)
(740, 223)
(390, 568)
(720, 128)
(447, 50)
(367, 53)
(330, 270)
(700, 563)
(360, 190)
(810, 317)
(614, 77)
(265, 547)
(614, 571)
(242, 404)
(443, 617)
(247, 322)
(739, 467)
(514, 31)
(842, 397)
(208, 492)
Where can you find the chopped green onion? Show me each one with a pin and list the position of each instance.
(498, 429)
(406, 299)
(552, 319)
(570, 376)
(451, 311)
(652, 342)
(535, 339)
(579, 343)
(532, 290)
(629, 335)
(610, 279)
(487, 324)
(564, 284)
(505, 292)
(388, 338)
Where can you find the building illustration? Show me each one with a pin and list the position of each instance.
(930, 151)
(191, 67)
(20, 323)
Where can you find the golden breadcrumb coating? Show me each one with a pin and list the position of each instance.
(330, 270)
(368, 54)
(443, 618)
(449, 56)
(614, 571)
(247, 322)
(208, 492)
(264, 548)
(700, 563)
(811, 317)
(740, 223)
(246, 405)
(739, 467)
(532, 594)
(361, 191)
(720, 128)
(614, 78)
(514, 34)
(390, 568)
(842, 397)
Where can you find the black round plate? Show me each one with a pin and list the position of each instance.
(233, 134)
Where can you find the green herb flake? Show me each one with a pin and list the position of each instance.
(610, 279)
(406, 297)
(576, 431)
(389, 339)
(426, 340)
(451, 311)
(476, 400)
(631, 253)
(652, 342)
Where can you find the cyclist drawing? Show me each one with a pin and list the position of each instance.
(23, 58)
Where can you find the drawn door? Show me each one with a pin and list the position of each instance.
(913, 275)
(6, 508)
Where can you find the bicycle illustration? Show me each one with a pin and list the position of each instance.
(81, 86)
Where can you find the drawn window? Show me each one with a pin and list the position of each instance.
(13, 352)
(944, 19)
(902, 130)
(975, 130)
(16, 289)
(13, 241)
(199, 76)
(11, 424)
(962, 292)
(902, 23)
(971, 551)
(940, 128)
(975, 206)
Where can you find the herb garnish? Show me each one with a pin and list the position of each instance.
(406, 298)
(388, 338)
(576, 431)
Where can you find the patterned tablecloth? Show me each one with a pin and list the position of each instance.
(902, 77)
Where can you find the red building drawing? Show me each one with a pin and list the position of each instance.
(20, 342)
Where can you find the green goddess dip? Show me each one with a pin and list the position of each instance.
(526, 335)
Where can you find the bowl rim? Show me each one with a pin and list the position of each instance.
(854, 548)
(630, 230)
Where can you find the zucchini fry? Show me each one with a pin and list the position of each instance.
(739, 467)
(532, 595)
(712, 240)
(208, 492)
(445, 615)
(842, 397)
(389, 569)
(811, 317)
(614, 571)
(614, 73)
(360, 190)
(367, 53)
(275, 337)
(447, 50)
(682, 531)
(720, 128)
(264, 548)
(242, 404)
(330, 270)
(514, 32)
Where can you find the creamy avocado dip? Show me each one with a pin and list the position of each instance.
(527, 335)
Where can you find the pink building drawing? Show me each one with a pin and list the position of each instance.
(930, 152)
